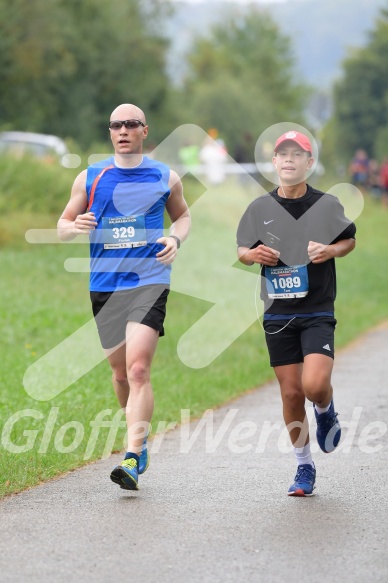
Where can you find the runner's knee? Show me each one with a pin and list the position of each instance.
(317, 393)
(120, 375)
(292, 397)
(138, 374)
(316, 387)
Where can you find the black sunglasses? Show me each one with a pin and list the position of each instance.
(130, 124)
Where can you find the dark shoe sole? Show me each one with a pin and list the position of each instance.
(119, 476)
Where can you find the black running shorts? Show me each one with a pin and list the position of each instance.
(289, 341)
(112, 311)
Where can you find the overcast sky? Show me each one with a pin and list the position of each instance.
(236, 1)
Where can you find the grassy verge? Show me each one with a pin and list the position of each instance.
(42, 304)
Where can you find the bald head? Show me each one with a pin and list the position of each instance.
(128, 111)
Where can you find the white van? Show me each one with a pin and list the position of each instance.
(39, 145)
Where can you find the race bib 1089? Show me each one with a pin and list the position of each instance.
(287, 282)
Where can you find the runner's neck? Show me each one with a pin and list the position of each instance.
(128, 161)
(294, 191)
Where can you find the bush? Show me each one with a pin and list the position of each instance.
(30, 185)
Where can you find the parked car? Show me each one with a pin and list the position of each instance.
(40, 145)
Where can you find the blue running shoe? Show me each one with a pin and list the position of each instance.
(144, 457)
(328, 429)
(304, 481)
(126, 474)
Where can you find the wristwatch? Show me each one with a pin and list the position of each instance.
(178, 241)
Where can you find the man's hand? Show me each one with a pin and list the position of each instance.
(168, 254)
(319, 253)
(261, 254)
(85, 223)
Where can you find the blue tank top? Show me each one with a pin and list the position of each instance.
(129, 205)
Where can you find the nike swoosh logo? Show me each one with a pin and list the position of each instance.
(268, 222)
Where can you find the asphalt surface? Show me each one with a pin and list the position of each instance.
(217, 514)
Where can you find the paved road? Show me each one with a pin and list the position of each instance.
(223, 515)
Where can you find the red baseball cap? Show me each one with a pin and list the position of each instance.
(296, 137)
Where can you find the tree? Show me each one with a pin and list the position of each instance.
(242, 79)
(35, 57)
(361, 96)
(65, 64)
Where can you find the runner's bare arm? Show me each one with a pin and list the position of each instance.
(319, 253)
(179, 214)
(74, 220)
(261, 254)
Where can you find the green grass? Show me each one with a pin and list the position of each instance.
(42, 304)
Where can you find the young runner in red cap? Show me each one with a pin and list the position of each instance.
(295, 232)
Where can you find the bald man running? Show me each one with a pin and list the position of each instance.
(120, 203)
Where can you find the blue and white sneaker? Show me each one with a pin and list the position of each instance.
(126, 474)
(328, 429)
(144, 457)
(304, 481)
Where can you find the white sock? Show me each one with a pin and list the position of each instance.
(320, 410)
(303, 455)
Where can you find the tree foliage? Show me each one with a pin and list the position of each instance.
(65, 64)
(242, 79)
(361, 96)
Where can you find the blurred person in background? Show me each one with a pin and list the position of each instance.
(374, 180)
(358, 169)
(384, 182)
(213, 155)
